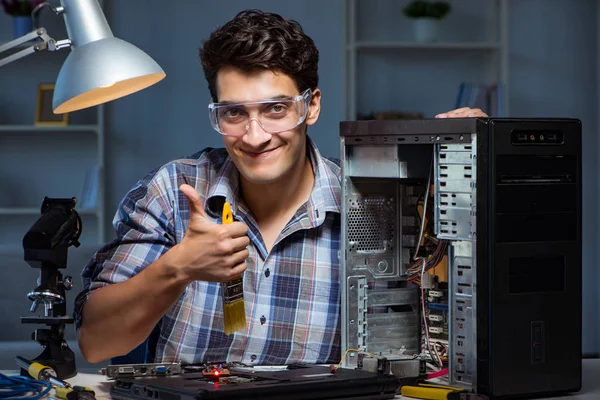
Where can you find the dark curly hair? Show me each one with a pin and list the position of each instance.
(255, 40)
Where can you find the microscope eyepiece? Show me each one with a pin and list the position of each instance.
(58, 227)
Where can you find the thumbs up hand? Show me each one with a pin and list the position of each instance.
(208, 251)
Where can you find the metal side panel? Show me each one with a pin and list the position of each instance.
(456, 213)
(391, 297)
(373, 230)
(455, 177)
(356, 322)
(379, 314)
(375, 161)
(462, 325)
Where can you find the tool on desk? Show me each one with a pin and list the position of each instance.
(234, 310)
(63, 389)
(75, 393)
(429, 391)
(41, 372)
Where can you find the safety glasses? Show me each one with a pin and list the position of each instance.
(273, 115)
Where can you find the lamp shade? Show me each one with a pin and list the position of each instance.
(100, 67)
(102, 71)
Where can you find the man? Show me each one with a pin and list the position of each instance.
(165, 267)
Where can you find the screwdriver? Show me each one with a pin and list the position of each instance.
(64, 390)
(439, 392)
(41, 372)
(76, 393)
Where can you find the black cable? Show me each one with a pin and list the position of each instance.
(35, 13)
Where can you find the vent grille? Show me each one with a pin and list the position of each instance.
(371, 224)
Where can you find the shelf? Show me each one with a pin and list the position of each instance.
(48, 128)
(37, 211)
(433, 45)
(374, 52)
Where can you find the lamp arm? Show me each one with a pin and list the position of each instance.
(47, 44)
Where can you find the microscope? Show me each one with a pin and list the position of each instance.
(45, 247)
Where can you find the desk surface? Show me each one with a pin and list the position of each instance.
(590, 386)
(95, 381)
(590, 390)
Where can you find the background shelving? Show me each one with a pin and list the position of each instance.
(421, 77)
(365, 45)
(51, 161)
(38, 161)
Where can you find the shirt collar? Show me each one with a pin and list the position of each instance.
(327, 191)
(324, 197)
(225, 188)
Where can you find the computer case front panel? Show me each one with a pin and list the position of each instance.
(529, 236)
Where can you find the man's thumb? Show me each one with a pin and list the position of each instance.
(196, 206)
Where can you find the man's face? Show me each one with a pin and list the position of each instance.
(262, 157)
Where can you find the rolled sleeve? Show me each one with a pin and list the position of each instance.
(145, 229)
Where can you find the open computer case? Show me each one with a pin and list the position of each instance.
(461, 249)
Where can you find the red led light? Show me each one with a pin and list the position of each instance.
(532, 137)
(217, 373)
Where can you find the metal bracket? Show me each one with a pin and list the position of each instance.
(46, 44)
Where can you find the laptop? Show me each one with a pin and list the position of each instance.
(295, 382)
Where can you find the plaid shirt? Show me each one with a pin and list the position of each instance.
(292, 294)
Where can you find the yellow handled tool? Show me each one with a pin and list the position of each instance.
(423, 392)
(64, 390)
(75, 393)
(234, 309)
(430, 391)
(41, 372)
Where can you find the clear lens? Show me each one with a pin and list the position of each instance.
(274, 116)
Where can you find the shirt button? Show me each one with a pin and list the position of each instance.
(263, 320)
(267, 273)
(253, 357)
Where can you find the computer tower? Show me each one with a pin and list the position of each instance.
(529, 296)
(499, 201)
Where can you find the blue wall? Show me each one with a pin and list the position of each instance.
(553, 72)
(170, 119)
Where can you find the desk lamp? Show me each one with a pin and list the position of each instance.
(100, 67)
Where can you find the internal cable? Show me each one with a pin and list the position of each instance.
(436, 358)
(413, 272)
(344, 356)
(427, 264)
(416, 257)
(441, 245)
(437, 374)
